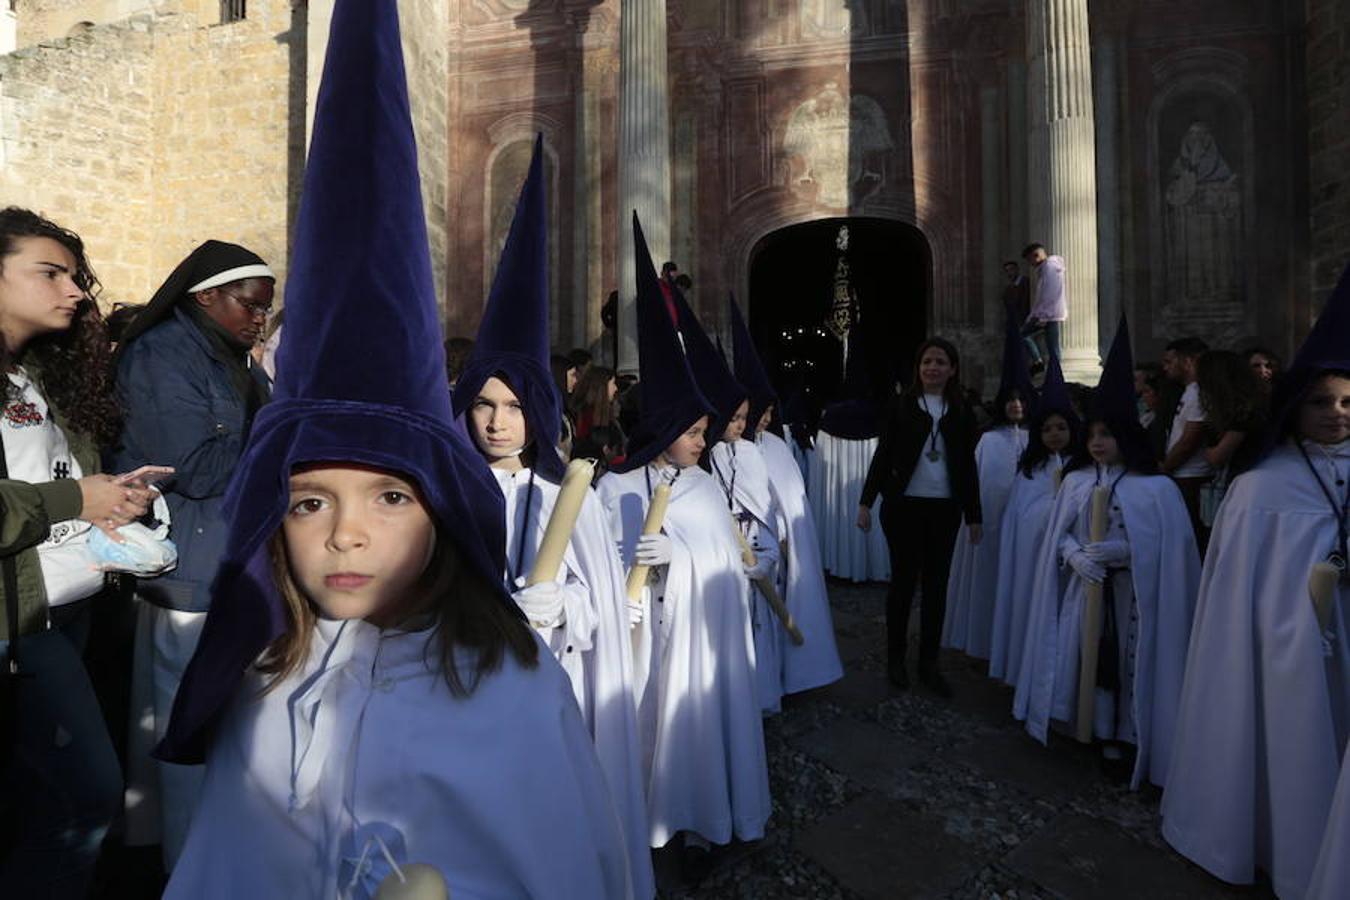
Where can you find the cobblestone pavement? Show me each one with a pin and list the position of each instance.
(889, 794)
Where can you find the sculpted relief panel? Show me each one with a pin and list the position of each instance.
(835, 149)
(1203, 222)
(1201, 203)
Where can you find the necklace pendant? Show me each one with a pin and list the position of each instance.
(934, 455)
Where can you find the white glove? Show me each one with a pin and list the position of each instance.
(1087, 567)
(542, 603)
(653, 550)
(635, 613)
(1109, 553)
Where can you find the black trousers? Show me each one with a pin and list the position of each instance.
(921, 534)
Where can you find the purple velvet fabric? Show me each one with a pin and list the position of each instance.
(361, 370)
(512, 339)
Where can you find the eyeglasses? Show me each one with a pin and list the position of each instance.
(256, 310)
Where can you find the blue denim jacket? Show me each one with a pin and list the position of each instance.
(182, 411)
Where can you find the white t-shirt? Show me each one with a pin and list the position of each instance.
(36, 451)
(1189, 410)
(930, 477)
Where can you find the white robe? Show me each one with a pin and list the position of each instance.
(1163, 576)
(975, 575)
(1264, 706)
(1024, 520)
(838, 469)
(593, 645)
(1331, 875)
(743, 476)
(365, 747)
(699, 715)
(816, 662)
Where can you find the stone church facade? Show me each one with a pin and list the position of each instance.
(1222, 131)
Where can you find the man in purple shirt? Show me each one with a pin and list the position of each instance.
(1050, 306)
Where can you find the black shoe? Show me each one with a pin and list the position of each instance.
(933, 680)
(695, 865)
(898, 677)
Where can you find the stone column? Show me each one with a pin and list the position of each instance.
(644, 154)
(991, 213)
(1062, 166)
(1107, 100)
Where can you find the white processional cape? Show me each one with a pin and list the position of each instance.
(1331, 875)
(1164, 571)
(593, 646)
(741, 467)
(975, 576)
(699, 715)
(838, 469)
(816, 662)
(1024, 520)
(366, 750)
(1266, 699)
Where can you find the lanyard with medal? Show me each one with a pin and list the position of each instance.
(1325, 575)
(934, 453)
(1339, 510)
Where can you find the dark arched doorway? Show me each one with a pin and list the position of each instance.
(793, 288)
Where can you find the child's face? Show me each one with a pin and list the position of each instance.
(736, 427)
(357, 539)
(498, 421)
(1102, 446)
(1055, 434)
(688, 447)
(1014, 410)
(764, 419)
(1324, 415)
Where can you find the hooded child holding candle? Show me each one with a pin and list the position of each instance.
(1143, 569)
(511, 408)
(1265, 709)
(707, 778)
(801, 577)
(372, 707)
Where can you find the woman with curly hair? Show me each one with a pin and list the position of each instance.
(59, 780)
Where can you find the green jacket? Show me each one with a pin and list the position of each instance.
(27, 513)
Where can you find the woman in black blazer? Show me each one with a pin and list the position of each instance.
(924, 471)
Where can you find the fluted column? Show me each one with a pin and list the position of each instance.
(1062, 166)
(644, 153)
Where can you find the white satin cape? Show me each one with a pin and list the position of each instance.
(366, 747)
(1164, 571)
(1024, 520)
(1331, 875)
(975, 576)
(593, 646)
(838, 469)
(753, 498)
(802, 578)
(1263, 709)
(699, 715)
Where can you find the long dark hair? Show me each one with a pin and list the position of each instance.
(1036, 453)
(76, 363)
(469, 615)
(1230, 393)
(592, 394)
(1131, 440)
(952, 392)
